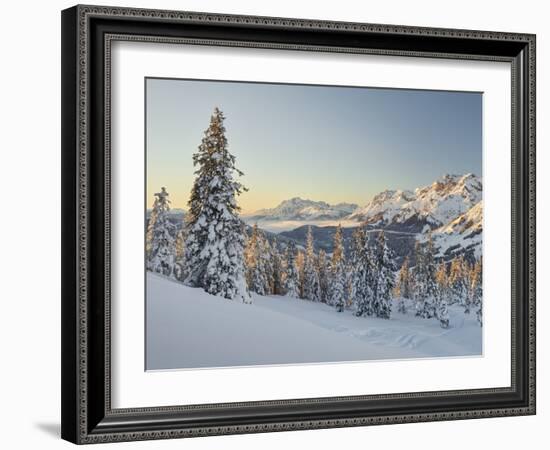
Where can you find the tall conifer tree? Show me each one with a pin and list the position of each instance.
(215, 235)
(268, 263)
(311, 289)
(277, 266)
(338, 275)
(323, 270)
(403, 286)
(419, 280)
(458, 281)
(361, 273)
(442, 293)
(257, 276)
(431, 286)
(384, 281)
(300, 264)
(290, 282)
(476, 290)
(160, 239)
(424, 280)
(179, 256)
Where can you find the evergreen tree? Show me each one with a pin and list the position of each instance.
(338, 275)
(431, 286)
(458, 281)
(338, 288)
(290, 281)
(348, 302)
(360, 268)
(300, 264)
(403, 286)
(468, 271)
(215, 235)
(476, 290)
(323, 271)
(384, 280)
(277, 265)
(266, 254)
(442, 292)
(160, 242)
(195, 226)
(338, 246)
(358, 239)
(372, 276)
(180, 255)
(419, 282)
(256, 270)
(311, 289)
(424, 280)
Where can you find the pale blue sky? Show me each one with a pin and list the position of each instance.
(337, 144)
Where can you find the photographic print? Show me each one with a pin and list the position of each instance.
(298, 224)
(293, 208)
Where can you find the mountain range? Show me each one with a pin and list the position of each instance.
(426, 208)
(450, 208)
(298, 209)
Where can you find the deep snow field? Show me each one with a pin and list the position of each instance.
(188, 328)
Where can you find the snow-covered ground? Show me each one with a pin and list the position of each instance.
(188, 328)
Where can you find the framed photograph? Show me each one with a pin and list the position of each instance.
(279, 224)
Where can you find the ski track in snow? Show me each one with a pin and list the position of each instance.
(404, 331)
(188, 328)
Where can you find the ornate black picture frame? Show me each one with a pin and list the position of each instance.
(87, 34)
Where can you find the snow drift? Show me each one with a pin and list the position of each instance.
(188, 328)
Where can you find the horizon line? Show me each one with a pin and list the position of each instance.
(359, 205)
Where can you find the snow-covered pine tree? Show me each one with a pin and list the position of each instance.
(360, 267)
(311, 290)
(266, 255)
(424, 280)
(476, 290)
(179, 257)
(290, 285)
(215, 235)
(195, 227)
(256, 270)
(349, 288)
(277, 265)
(442, 293)
(431, 287)
(338, 245)
(354, 260)
(419, 280)
(160, 242)
(384, 278)
(458, 282)
(403, 286)
(338, 288)
(468, 270)
(250, 255)
(338, 275)
(370, 252)
(323, 271)
(300, 260)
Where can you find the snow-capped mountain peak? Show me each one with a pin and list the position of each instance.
(462, 234)
(468, 186)
(434, 205)
(297, 208)
(383, 207)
